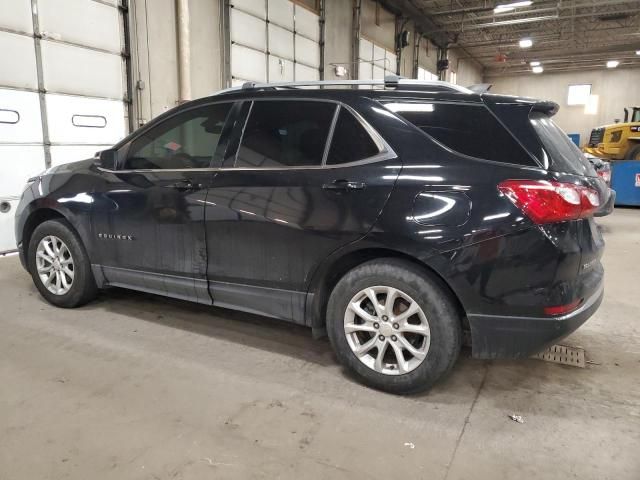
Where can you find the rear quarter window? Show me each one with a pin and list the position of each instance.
(351, 142)
(464, 128)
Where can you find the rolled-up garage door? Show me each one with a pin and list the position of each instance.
(64, 97)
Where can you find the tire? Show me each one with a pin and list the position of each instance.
(436, 345)
(58, 237)
(634, 153)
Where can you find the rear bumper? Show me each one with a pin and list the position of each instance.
(495, 336)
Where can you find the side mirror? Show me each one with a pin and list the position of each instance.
(107, 158)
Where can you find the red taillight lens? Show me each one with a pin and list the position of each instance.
(605, 175)
(560, 309)
(549, 201)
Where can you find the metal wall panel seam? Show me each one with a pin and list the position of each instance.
(266, 37)
(322, 39)
(41, 88)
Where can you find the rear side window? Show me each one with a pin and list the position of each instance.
(468, 129)
(565, 156)
(351, 142)
(285, 134)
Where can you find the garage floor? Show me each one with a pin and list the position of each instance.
(137, 386)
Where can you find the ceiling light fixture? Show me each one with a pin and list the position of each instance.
(526, 42)
(534, 64)
(507, 7)
(613, 63)
(537, 69)
(637, 52)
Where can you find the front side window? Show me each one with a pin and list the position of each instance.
(468, 129)
(285, 134)
(186, 140)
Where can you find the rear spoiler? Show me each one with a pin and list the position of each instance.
(548, 107)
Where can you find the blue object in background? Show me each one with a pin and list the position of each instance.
(575, 138)
(625, 180)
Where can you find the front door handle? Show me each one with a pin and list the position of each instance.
(184, 186)
(344, 185)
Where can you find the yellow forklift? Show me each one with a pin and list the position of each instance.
(618, 141)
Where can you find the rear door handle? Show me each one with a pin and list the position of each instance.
(344, 185)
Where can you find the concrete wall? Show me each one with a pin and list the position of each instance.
(616, 88)
(154, 48)
(428, 56)
(338, 33)
(468, 70)
(382, 34)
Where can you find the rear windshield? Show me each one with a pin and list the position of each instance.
(564, 155)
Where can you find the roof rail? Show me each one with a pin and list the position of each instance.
(391, 81)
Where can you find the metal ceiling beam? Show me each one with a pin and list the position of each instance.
(621, 50)
(544, 43)
(534, 10)
(565, 68)
(517, 21)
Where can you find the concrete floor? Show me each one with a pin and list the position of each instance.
(136, 386)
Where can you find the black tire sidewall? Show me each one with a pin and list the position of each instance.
(440, 310)
(83, 287)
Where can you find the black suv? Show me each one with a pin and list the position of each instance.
(393, 218)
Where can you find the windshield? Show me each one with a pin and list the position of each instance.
(564, 155)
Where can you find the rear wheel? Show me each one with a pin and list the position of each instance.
(634, 153)
(59, 265)
(393, 326)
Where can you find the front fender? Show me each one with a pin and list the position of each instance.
(47, 198)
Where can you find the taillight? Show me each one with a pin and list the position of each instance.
(546, 201)
(605, 175)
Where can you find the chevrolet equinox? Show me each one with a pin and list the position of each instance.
(391, 218)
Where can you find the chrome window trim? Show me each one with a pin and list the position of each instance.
(332, 128)
(385, 150)
(376, 158)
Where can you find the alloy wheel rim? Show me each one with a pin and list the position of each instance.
(54, 264)
(387, 330)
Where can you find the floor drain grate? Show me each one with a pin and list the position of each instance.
(563, 355)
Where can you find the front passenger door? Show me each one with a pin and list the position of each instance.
(148, 216)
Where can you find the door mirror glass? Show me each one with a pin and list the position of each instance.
(107, 158)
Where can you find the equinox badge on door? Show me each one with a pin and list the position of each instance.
(114, 236)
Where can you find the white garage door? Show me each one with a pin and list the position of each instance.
(375, 62)
(424, 74)
(62, 96)
(273, 40)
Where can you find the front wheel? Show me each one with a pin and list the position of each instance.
(60, 266)
(396, 328)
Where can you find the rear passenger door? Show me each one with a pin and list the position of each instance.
(306, 178)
